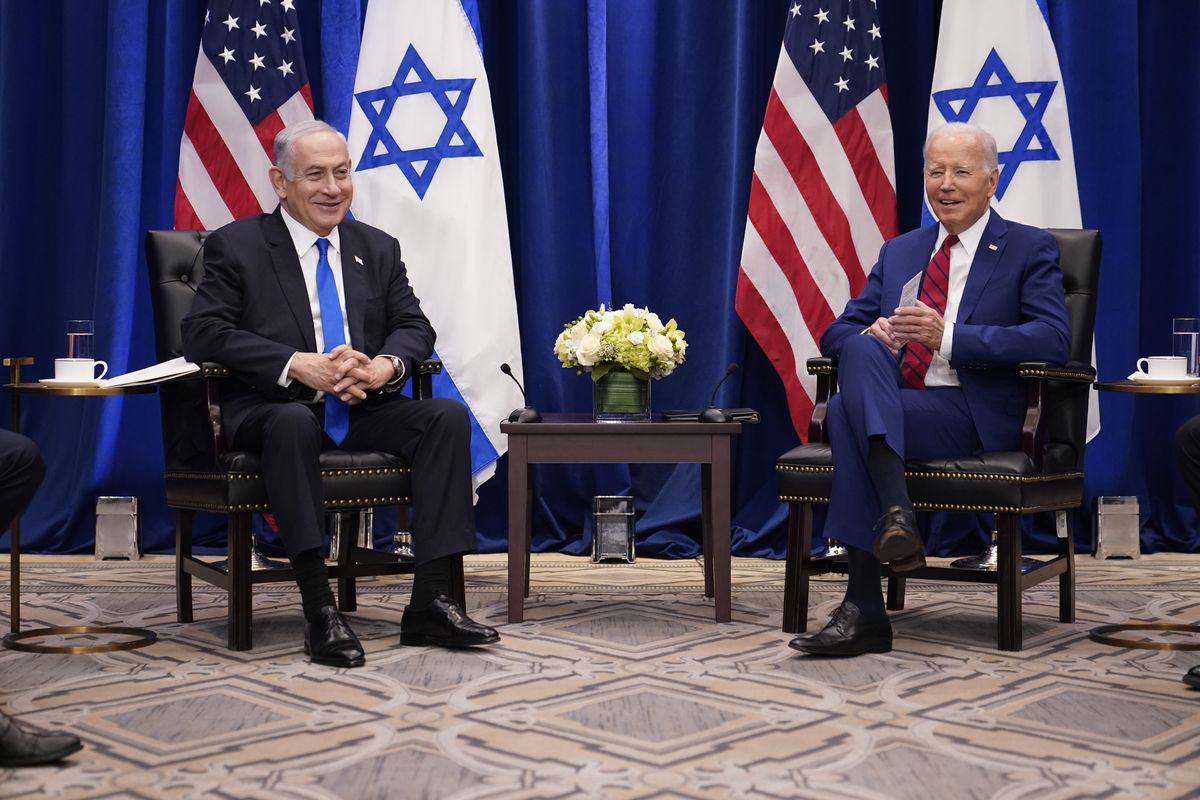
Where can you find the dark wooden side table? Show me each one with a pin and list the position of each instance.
(1104, 634)
(576, 439)
(16, 639)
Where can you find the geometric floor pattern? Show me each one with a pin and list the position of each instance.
(618, 685)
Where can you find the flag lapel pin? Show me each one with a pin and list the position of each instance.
(991, 247)
(359, 260)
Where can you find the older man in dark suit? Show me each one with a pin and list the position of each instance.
(314, 316)
(928, 372)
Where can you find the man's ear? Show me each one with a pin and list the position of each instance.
(279, 182)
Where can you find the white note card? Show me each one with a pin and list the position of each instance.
(908, 295)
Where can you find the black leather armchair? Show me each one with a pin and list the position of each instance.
(1046, 474)
(202, 474)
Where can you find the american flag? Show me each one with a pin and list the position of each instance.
(822, 197)
(250, 83)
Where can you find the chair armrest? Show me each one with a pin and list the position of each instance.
(1044, 370)
(423, 383)
(1037, 374)
(826, 371)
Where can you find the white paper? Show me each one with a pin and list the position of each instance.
(157, 373)
(908, 295)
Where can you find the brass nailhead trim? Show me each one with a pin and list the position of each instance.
(939, 506)
(950, 476)
(253, 476)
(1068, 375)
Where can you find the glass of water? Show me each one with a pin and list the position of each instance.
(1187, 341)
(80, 335)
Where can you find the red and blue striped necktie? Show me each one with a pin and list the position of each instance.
(935, 287)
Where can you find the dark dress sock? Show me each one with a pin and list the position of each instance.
(887, 473)
(313, 579)
(863, 583)
(431, 579)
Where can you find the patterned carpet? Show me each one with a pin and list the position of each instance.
(618, 685)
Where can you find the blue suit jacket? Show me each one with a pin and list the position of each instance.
(1013, 310)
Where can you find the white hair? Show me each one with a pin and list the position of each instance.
(990, 157)
(285, 142)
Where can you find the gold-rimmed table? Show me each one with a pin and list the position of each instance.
(1104, 634)
(17, 639)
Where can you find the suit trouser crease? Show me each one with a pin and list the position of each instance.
(432, 436)
(872, 400)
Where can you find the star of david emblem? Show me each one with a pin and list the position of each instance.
(418, 164)
(1031, 98)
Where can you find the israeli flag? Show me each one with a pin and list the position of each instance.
(427, 170)
(997, 69)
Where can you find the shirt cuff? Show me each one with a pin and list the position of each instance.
(284, 380)
(947, 348)
(398, 378)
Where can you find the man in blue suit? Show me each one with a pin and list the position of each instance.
(930, 377)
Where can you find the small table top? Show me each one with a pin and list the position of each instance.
(1135, 387)
(559, 423)
(78, 390)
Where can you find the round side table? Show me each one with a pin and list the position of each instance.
(1104, 634)
(18, 639)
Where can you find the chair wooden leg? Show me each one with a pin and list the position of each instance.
(458, 583)
(183, 578)
(1066, 581)
(797, 569)
(241, 591)
(896, 585)
(706, 528)
(346, 584)
(1008, 582)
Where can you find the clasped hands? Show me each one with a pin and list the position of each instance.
(918, 323)
(343, 372)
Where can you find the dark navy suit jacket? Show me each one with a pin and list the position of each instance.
(251, 311)
(1012, 310)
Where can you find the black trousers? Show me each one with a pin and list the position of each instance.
(21, 473)
(432, 436)
(1187, 453)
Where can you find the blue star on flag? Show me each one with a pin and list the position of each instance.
(413, 77)
(1031, 99)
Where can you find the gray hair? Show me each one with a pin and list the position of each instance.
(990, 158)
(285, 142)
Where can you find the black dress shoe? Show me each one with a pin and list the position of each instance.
(444, 623)
(848, 633)
(19, 748)
(1192, 677)
(330, 641)
(897, 542)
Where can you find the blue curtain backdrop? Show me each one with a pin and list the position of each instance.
(627, 130)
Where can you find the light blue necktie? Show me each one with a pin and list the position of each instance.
(337, 413)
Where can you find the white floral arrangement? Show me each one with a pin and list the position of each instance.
(629, 337)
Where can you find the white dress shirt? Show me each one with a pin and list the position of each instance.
(961, 256)
(305, 242)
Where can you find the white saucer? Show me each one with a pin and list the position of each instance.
(66, 383)
(1141, 377)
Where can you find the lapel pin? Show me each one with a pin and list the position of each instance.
(360, 261)
(991, 247)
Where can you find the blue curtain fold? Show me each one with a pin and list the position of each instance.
(627, 132)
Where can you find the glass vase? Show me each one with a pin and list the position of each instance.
(621, 396)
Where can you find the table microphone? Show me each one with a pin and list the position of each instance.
(526, 414)
(712, 413)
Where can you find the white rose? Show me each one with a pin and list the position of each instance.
(654, 323)
(589, 350)
(601, 326)
(579, 329)
(637, 337)
(661, 348)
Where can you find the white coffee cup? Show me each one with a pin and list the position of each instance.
(1164, 367)
(78, 370)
